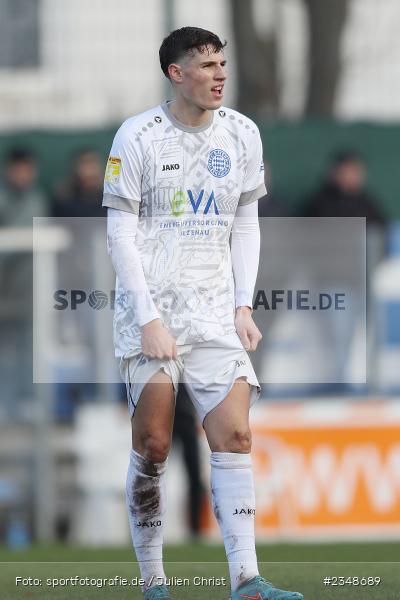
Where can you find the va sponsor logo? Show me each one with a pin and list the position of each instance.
(200, 202)
(97, 299)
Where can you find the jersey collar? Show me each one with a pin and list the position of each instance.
(182, 126)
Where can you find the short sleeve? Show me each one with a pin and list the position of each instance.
(254, 184)
(123, 176)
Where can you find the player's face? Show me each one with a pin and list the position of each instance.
(202, 79)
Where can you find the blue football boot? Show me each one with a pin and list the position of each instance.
(259, 588)
(157, 592)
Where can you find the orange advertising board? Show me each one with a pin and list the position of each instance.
(327, 468)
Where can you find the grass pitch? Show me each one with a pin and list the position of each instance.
(199, 571)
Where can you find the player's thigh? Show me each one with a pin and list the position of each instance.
(227, 425)
(153, 418)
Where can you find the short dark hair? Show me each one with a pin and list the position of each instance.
(18, 155)
(345, 156)
(185, 41)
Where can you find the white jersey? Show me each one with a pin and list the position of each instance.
(185, 184)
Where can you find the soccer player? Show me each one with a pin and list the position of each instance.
(183, 179)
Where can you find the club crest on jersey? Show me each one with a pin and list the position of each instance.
(219, 163)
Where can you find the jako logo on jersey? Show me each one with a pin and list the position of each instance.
(173, 167)
(180, 199)
(219, 163)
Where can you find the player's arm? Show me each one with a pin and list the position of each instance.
(157, 342)
(122, 196)
(245, 252)
(245, 242)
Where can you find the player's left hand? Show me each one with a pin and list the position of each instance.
(247, 330)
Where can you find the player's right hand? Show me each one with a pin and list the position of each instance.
(157, 342)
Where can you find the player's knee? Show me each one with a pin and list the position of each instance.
(155, 447)
(240, 441)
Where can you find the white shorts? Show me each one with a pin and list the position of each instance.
(208, 371)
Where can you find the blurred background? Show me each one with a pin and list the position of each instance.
(322, 82)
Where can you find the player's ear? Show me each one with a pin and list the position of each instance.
(175, 73)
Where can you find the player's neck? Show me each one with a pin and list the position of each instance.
(189, 114)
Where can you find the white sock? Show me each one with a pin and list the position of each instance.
(145, 498)
(234, 508)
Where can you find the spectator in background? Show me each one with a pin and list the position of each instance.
(343, 193)
(80, 195)
(20, 201)
(20, 197)
(77, 204)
